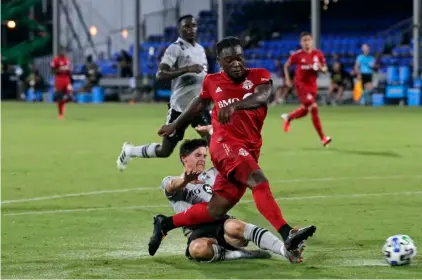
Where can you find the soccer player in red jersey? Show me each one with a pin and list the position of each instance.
(62, 80)
(240, 97)
(309, 62)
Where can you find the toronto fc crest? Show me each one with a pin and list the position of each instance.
(247, 84)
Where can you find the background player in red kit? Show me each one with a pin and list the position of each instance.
(63, 85)
(309, 62)
(240, 99)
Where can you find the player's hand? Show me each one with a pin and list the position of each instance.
(225, 113)
(289, 83)
(190, 175)
(203, 130)
(196, 68)
(166, 130)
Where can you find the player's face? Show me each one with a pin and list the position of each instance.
(188, 28)
(306, 42)
(336, 67)
(233, 62)
(365, 49)
(196, 160)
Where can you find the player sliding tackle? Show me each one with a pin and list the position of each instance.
(309, 62)
(240, 96)
(224, 238)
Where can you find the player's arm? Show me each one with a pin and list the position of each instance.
(196, 106)
(260, 98)
(166, 69)
(288, 79)
(175, 184)
(53, 66)
(323, 66)
(357, 66)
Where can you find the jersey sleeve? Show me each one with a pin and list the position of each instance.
(53, 63)
(170, 55)
(263, 76)
(322, 58)
(293, 58)
(170, 196)
(205, 93)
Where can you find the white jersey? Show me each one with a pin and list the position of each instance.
(188, 86)
(192, 193)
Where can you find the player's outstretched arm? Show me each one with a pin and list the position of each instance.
(195, 108)
(178, 183)
(260, 98)
(166, 73)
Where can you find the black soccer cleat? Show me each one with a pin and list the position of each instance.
(157, 235)
(298, 236)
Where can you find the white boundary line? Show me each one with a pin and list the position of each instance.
(78, 194)
(287, 181)
(242, 202)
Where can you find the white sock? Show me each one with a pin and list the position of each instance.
(221, 254)
(144, 151)
(264, 239)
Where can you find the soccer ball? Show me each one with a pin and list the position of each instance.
(399, 250)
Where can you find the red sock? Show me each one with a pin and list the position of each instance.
(267, 206)
(298, 113)
(317, 122)
(60, 106)
(197, 214)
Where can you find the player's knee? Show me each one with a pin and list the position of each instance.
(234, 232)
(255, 178)
(201, 249)
(312, 106)
(163, 151)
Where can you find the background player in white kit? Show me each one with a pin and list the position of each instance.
(185, 63)
(224, 238)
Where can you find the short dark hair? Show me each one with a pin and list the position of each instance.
(188, 146)
(227, 42)
(184, 17)
(305, 33)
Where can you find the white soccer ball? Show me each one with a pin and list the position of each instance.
(399, 249)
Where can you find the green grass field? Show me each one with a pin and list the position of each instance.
(68, 213)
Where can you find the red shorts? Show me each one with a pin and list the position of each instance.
(234, 163)
(305, 96)
(63, 86)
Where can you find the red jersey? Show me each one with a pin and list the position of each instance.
(62, 66)
(307, 66)
(245, 125)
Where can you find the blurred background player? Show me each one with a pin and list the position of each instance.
(62, 80)
(225, 238)
(364, 68)
(282, 90)
(240, 96)
(309, 62)
(339, 78)
(185, 63)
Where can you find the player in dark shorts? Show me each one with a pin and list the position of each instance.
(225, 238)
(185, 64)
(338, 82)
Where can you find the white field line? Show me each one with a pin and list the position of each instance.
(315, 197)
(287, 181)
(78, 194)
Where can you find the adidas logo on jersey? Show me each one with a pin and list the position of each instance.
(218, 90)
